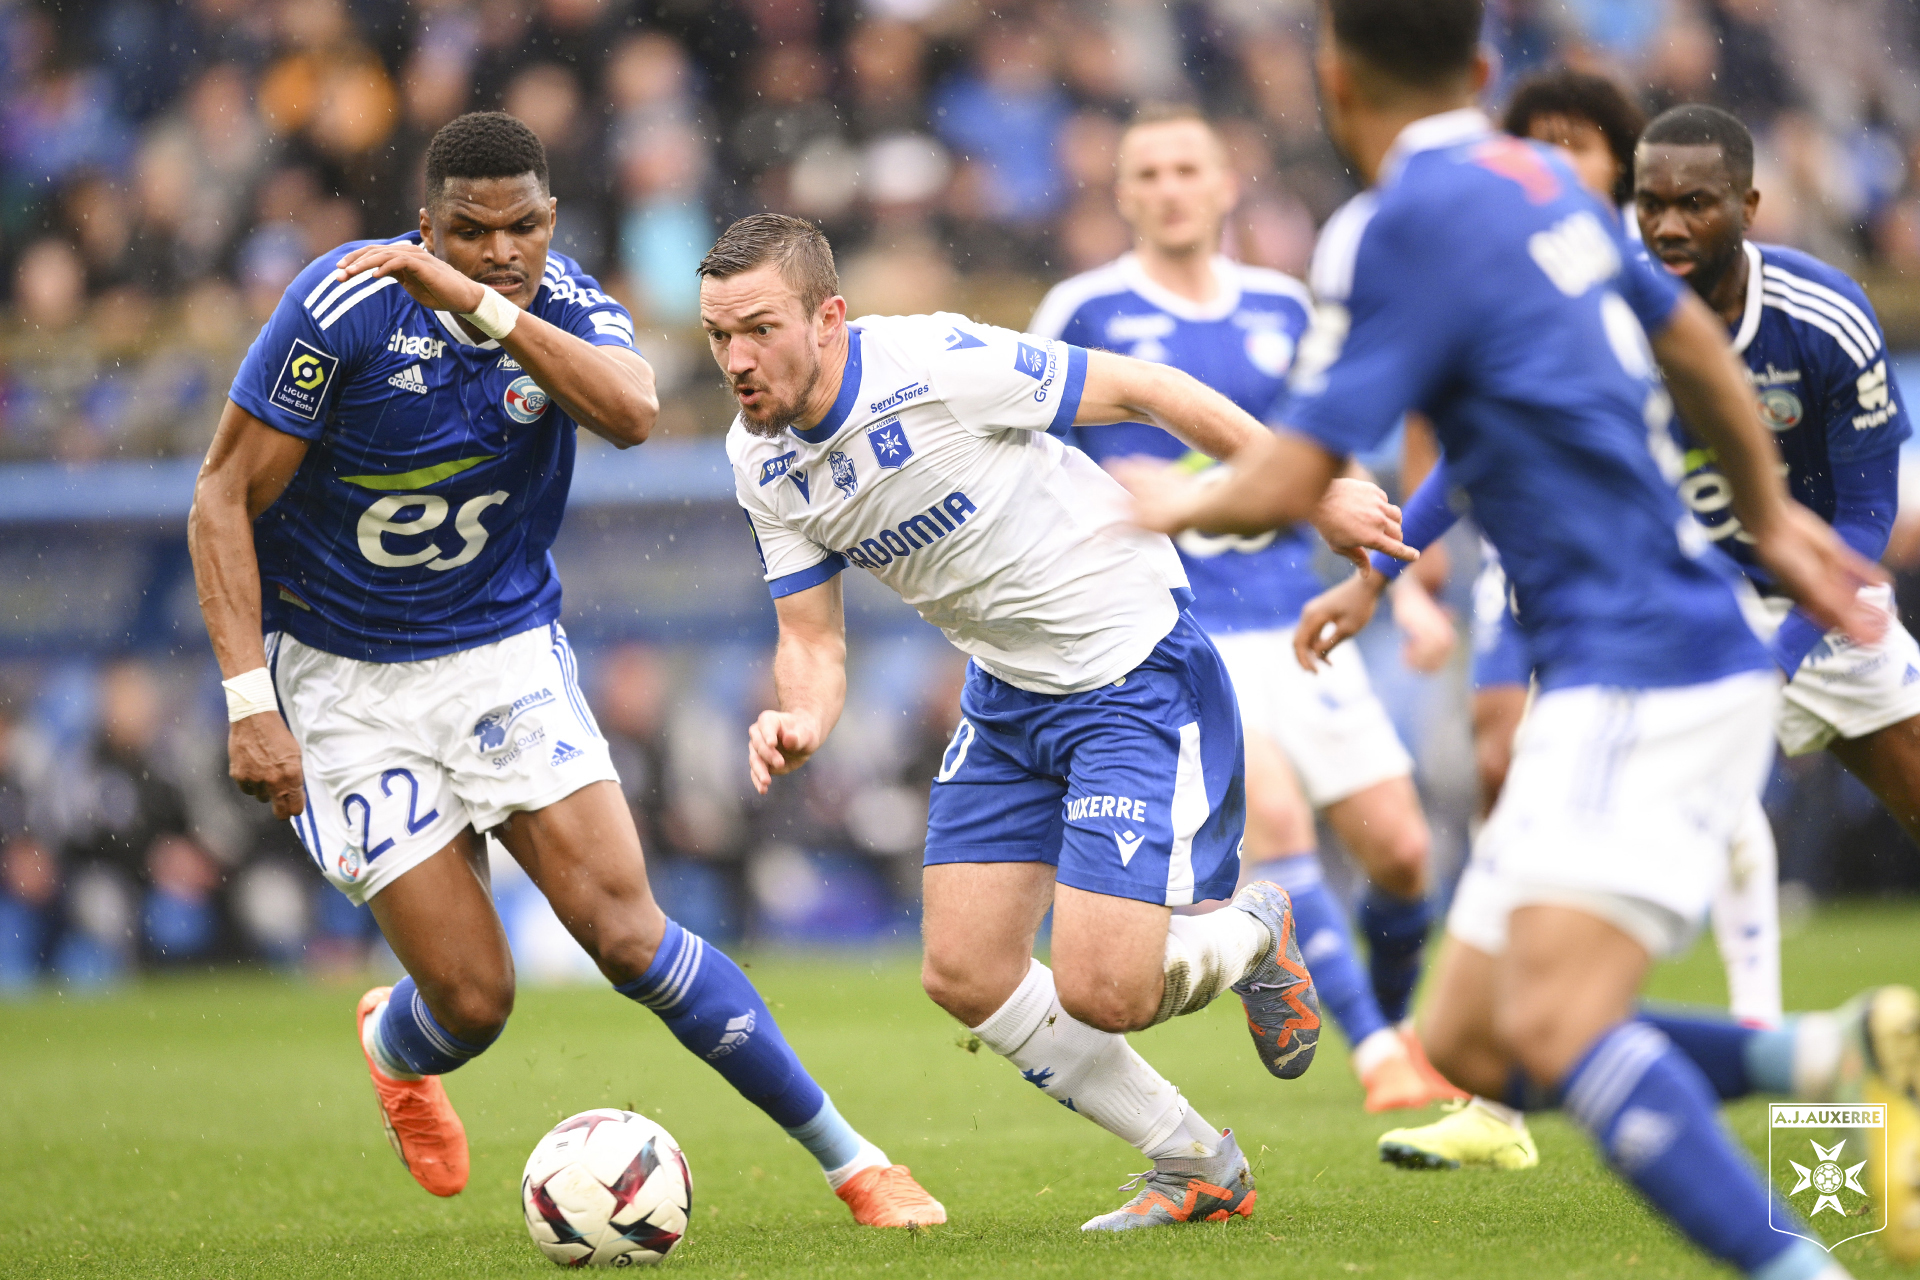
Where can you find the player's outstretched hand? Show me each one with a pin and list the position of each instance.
(1355, 517)
(432, 282)
(1823, 574)
(778, 742)
(265, 760)
(1425, 626)
(1336, 614)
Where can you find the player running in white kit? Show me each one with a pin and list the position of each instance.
(1097, 769)
(1315, 741)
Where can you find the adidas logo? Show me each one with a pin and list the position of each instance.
(563, 752)
(1910, 676)
(409, 379)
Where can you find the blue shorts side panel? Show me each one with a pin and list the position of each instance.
(1134, 790)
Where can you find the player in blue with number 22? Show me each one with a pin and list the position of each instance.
(379, 501)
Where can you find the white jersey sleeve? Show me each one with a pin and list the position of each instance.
(997, 379)
(789, 560)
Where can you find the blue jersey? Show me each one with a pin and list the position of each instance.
(1478, 283)
(1818, 361)
(1241, 344)
(437, 471)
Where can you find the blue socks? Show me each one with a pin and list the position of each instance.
(1650, 1110)
(1326, 946)
(408, 1034)
(714, 1011)
(1736, 1060)
(1396, 932)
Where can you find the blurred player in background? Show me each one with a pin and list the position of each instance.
(1313, 741)
(381, 495)
(1096, 770)
(1596, 124)
(1475, 280)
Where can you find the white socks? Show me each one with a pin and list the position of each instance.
(1206, 955)
(1508, 1116)
(389, 1066)
(1376, 1049)
(1746, 921)
(1095, 1073)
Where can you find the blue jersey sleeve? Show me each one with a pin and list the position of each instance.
(577, 304)
(1427, 515)
(1649, 288)
(292, 373)
(1386, 325)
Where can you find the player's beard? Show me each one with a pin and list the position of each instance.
(773, 417)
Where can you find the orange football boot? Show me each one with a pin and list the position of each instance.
(887, 1196)
(420, 1122)
(1395, 1084)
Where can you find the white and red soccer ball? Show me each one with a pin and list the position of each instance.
(606, 1188)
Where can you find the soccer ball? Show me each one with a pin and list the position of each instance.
(606, 1188)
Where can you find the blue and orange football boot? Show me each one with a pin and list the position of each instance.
(1283, 1010)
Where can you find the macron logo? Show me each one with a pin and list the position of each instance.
(1129, 844)
(410, 379)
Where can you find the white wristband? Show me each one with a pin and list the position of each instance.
(495, 316)
(249, 694)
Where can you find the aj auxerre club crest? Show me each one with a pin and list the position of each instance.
(890, 445)
(1822, 1180)
(844, 478)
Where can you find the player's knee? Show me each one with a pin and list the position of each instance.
(1104, 1006)
(1277, 824)
(957, 988)
(1399, 862)
(624, 947)
(477, 1009)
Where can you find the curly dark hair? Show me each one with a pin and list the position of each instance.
(1577, 95)
(1421, 44)
(483, 144)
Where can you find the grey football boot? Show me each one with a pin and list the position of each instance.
(1185, 1189)
(1283, 1010)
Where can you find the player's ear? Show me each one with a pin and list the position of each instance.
(1482, 74)
(1749, 207)
(426, 230)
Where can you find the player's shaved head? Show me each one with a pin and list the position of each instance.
(793, 245)
(1696, 124)
(1422, 46)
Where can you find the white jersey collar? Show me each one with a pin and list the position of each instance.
(1430, 133)
(1750, 317)
(1226, 275)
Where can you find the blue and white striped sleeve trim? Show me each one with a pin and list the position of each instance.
(812, 576)
(1070, 393)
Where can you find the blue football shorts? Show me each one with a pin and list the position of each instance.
(1136, 789)
(1501, 654)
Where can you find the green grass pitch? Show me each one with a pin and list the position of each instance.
(223, 1127)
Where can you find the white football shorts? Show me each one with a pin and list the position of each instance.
(1622, 803)
(1843, 689)
(1332, 728)
(400, 757)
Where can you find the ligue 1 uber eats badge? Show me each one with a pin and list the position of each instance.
(1820, 1158)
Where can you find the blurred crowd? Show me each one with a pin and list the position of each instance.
(124, 846)
(166, 166)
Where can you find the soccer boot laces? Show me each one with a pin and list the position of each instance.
(1283, 1010)
(421, 1123)
(887, 1196)
(1467, 1137)
(1185, 1189)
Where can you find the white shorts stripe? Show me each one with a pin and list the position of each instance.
(1188, 811)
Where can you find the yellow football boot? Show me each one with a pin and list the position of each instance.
(1469, 1137)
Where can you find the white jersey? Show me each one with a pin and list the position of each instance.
(935, 472)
